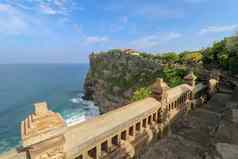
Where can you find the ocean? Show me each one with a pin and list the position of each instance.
(21, 85)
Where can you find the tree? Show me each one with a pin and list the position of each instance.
(191, 57)
(170, 57)
(207, 56)
(233, 64)
(232, 47)
(223, 54)
(232, 43)
(173, 76)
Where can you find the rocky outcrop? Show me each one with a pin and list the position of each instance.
(114, 75)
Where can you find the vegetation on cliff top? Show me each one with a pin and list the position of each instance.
(117, 77)
(173, 76)
(223, 54)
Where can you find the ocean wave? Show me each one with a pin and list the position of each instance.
(7, 144)
(78, 111)
(85, 110)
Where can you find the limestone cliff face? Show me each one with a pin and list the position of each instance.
(114, 75)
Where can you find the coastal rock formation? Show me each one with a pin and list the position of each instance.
(114, 75)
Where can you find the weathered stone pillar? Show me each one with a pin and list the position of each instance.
(188, 106)
(159, 117)
(144, 124)
(153, 119)
(119, 139)
(42, 134)
(109, 143)
(111, 146)
(212, 87)
(159, 91)
(98, 149)
(141, 128)
(190, 79)
(85, 155)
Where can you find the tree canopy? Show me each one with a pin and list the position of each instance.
(224, 54)
(190, 57)
(170, 57)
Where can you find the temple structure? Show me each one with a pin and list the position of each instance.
(121, 133)
(42, 133)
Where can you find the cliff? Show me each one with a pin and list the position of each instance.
(116, 74)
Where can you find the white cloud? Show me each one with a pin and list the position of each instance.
(12, 22)
(172, 35)
(5, 8)
(156, 40)
(47, 7)
(59, 2)
(15, 21)
(96, 39)
(27, 17)
(55, 7)
(48, 10)
(218, 29)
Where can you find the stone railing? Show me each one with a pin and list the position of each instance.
(123, 132)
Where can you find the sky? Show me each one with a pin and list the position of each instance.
(67, 31)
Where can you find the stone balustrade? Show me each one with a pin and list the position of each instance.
(121, 133)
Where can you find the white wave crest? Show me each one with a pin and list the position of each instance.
(84, 111)
(76, 100)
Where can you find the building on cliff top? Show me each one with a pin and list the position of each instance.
(130, 52)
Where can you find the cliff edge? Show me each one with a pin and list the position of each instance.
(114, 76)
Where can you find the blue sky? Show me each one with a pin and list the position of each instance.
(67, 31)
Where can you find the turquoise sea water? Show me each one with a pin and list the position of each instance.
(61, 85)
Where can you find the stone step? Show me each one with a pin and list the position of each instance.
(28, 122)
(25, 127)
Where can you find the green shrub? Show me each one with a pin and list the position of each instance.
(170, 57)
(173, 76)
(141, 93)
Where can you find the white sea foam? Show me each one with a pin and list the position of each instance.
(75, 120)
(76, 100)
(86, 110)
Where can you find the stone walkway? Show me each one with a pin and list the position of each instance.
(205, 133)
